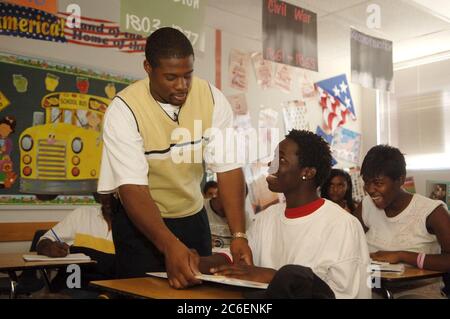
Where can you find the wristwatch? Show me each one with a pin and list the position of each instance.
(239, 235)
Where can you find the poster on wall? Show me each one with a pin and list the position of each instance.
(143, 17)
(36, 24)
(329, 139)
(294, 116)
(260, 195)
(307, 86)
(409, 185)
(289, 34)
(371, 61)
(439, 190)
(50, 129)
(283, 78)
(346, 145)
(263, 70)
(238, 70)
(268, 136)
(358, 191)
(336, 101)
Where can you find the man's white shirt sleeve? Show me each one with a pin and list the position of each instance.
(123, 158)
(221, 121)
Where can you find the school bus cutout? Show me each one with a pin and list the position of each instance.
(62, 156)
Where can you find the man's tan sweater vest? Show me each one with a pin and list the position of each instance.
(173, 148)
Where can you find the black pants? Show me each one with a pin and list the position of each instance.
(136, 255)
(294, 282)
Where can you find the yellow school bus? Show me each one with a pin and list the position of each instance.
(62, 155)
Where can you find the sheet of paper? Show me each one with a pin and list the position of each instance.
(220, 280)
(69, 257)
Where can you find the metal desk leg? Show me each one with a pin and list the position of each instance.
(13, 281)
(46, 278)
(388, 294)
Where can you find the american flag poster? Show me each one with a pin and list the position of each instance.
(346, 145)
(336, 102)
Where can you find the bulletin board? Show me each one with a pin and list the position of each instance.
(50, 128)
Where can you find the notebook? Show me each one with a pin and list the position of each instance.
(386, 267)
(69, 257)
(221, 280)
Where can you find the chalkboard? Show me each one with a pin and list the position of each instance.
(42, 104)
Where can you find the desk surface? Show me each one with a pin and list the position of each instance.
(158, 288)
(410, 273)
(12, 262)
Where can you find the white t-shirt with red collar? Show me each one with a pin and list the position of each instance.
(329, 240)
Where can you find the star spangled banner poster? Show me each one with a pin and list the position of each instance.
(372, 65)
(336, 102)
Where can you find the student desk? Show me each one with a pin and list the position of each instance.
(158, 288)
(10, 263)
(390, 279)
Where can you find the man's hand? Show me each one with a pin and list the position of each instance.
(181, 265)
(245, 272)
(241, 252)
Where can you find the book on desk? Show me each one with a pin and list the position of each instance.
(69, 257)
(386, 267)
(221, 280)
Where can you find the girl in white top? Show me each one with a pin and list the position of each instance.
(402, 227)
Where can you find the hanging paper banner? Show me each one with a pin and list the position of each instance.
(289, 34)
(372, 65)
(24, 22)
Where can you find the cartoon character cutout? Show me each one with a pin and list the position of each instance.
(7, 175)
(94, 121)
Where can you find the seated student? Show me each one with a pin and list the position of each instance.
(220, 231)
(402, 227)
(306, 231)
(338, 188)
(85, 230)
(210, 190)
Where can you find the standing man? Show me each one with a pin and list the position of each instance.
(160, 216)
